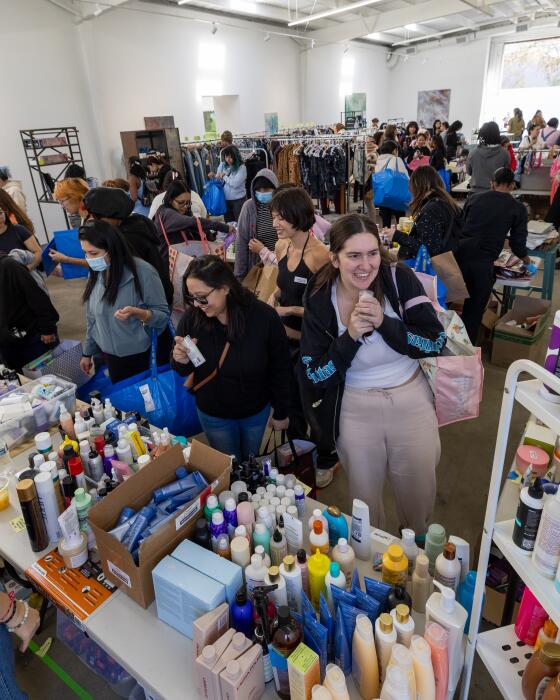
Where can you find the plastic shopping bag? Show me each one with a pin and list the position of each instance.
(214, 198)
(433, 286)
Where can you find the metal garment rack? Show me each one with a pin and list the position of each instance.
(499, 649)
(70, 153)
(249, 151)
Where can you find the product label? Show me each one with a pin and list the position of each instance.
(17, 524)
(356, 529)
(119, 573)
(280, 670)
(542, 687)
(547, 547)
(293, 592)
(186, 515)
(526, 526)
(293, 531)
(449, 581)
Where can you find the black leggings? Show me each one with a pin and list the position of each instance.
(479, 279)
(129, 365)
(234, 207)
(387, 215)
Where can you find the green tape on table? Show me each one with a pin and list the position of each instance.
(61, 673)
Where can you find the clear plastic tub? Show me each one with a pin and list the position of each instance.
(45, 411)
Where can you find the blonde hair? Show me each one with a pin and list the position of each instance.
(73, 188)
(118, 184)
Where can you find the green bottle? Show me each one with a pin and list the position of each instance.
(435, 539)
(212, 505)
(261, 535)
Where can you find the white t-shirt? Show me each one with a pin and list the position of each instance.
(376, 365)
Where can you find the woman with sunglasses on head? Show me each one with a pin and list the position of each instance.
(124, 300)
(246, 369)
(174, 219)
(16, 231)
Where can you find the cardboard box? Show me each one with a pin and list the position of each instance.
(118, 564)
(491, 315)
(494, 606)
(511, 343)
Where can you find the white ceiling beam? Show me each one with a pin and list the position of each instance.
(480, 6)
(353, 6)
(67, 6)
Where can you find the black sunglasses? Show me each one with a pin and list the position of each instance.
(202, 300)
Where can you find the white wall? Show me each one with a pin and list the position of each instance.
(42, 86)
(459, 67)
(184, 61)
(329, 74)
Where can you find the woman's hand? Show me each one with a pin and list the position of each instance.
(128, 312)
(211, 176)
(86, 364)
(28, 630)
(180, 354)
(284, 310)
(280, 424)
(255, 246)
(49, 339)
(57, 257)
(370, 310)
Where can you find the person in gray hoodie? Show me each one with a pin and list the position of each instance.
(255, 222)
(486, 158)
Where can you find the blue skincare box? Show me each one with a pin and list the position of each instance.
(183, 594)
(222, 570)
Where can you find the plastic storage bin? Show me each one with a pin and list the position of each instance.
(45, 412)
(121, 682)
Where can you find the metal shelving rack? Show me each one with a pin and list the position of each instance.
(503, 654)
(31, 140)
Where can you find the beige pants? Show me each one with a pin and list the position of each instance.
(392, 430)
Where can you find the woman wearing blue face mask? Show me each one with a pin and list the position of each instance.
(255, 223)
(124, 301)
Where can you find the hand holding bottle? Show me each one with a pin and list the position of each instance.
(180, 353)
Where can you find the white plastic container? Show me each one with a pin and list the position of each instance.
(291, 573)
(403, 624)
(396, 686)
(195, 356)
(318, 515)
(402, 658)
(48, 504)
(334, 577)
(546, 555)
(410, 548)
(364, 659)
(448, 568)
(278, 596)
(255, 573)
(385, 640)
(462, 552)
(360, 538)
(344, 555)
(423, 669)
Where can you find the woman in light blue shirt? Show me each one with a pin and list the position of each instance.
(124, 301)
(233, 174)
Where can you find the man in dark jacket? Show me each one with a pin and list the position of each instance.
(488, 217)
(27, 316)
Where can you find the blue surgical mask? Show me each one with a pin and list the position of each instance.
(263, 197)
(98, 264)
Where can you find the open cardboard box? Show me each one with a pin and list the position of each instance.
(512, 343)
(118, 564)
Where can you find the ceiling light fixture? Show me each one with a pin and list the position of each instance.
(335, 11)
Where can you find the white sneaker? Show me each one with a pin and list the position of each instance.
(323, 477)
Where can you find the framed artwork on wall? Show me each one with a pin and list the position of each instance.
(432, 105)
(270, 123)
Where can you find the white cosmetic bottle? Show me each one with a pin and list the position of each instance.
(385, 640)
(403, 623)
(360, 538)
(448, 568)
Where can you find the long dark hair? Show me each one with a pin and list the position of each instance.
(175, 189)
(136, 168)
(8, 204)
(233, 152)
(489, 134)
(425, 181)
(438, 144)
(106, 237)
(340, 233)
(215, 273)
(415, 125)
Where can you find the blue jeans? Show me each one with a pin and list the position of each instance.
(8, 686)
(235, 436)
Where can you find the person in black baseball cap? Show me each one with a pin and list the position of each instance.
(113, 205)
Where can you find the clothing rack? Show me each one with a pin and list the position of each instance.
(250, 151)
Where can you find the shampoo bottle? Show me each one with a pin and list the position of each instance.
(278, 548)
(278, 596)
(444, 609)
(403, 623)
(318, 565)
(385, 640)
(336, 683)
(364, 659)
(344, 555)
(334, 577)
(360, 539)
(291, 573)
(438, 637)
(338, 527)
(423, 669)
(448, 568)
(230, 516)
(255, 573)
(422, 586)
(435, 539)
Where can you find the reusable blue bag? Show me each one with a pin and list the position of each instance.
(446, 177)
(214, 198)
(390, 189)
(67, 242)
(423, 263)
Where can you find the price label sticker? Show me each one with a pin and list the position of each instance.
(18, 524)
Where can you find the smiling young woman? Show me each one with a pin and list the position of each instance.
(363, 389)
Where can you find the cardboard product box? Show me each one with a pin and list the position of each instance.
(119, 566)
(511, 343)
(491, 315)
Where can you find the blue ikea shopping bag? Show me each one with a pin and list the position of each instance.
(446, 177)
(390, 189)
(423, 263)
(214, 198)
(67, 242)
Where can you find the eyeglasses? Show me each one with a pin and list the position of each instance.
(183, 205)
(202, 300)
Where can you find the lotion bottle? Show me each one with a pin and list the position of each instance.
(291, 573)
(423, 669)
(273, 578)
(546, 554)
(385, 640)
(360, 538)
(334, 577)
(448, 568)
(403, 623)
(254, 574)
(435, 539)
(444, 609)
(319, 538)
(437, 637)
(402, 657)
(396, 686)
(422, 586)
(344, 555)
(336, 683)
(364, 659)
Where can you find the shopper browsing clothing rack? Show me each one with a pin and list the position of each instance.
(233, 173)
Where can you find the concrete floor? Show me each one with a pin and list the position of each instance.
(463, 479)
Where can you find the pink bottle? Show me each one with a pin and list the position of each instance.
(246, 515)
(437, 637)
(530, 618)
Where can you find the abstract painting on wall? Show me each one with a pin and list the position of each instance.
(270, 123)
(432, 105)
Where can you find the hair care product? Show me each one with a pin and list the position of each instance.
(396, 686)
(254, 573)
(242, 613)
(217, 527)
(319, 692)
(293, 531)
(201, 534)
(246, 516)
(334, 577)
(344, 555)
(385, 639)
(261, 536)
(238, 487)
(108, 458)
(528, 517)
(423, 669)
(243, 678)
(66, 422)
(278, 548)
(303, 566)
(552, 690)
(264, 516)
(438, 637)
(241, 531)
(95, 464)
(547, 634)
(466, 596)
(285, 639)
(319, 538)
(291, 573)
(207, 661)
(76, 471)
(435, 539)
(259, 549)
(299, 494)
(336, 683)
(421, 583)
(338, 527)
(360, 539)
(43, 443)
(395, 566)
(273, 578)
(143, 520)
(318, 566)
(230, 516)
(448, 569)
(402, 658)
(542, 667)
(48, 505)
(398, 596)
(73, 545)
(403, 624)
(462, 553)
(444, 609)
(210, 506)
(223, 547)
(209, 627)
(262, 643)
(364, 658)
(530, 618)
(304, 672)
(240, 551)
(410, 548)
(531, 456)
(546, 554)
(31, 511)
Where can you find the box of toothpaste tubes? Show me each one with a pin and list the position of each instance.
(144, 520)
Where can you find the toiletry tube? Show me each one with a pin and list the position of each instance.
(206, 662)
(243, 678)
(31, 511)
(73, 545)
(51, 467)
(423, 669)
(48, 504)
(552, 359)
(438, 637)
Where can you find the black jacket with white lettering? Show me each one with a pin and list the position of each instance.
(326, 356)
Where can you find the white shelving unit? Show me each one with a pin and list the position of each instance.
(502, 653)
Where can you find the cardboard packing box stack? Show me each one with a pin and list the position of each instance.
(512, 343)
(118, 564)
